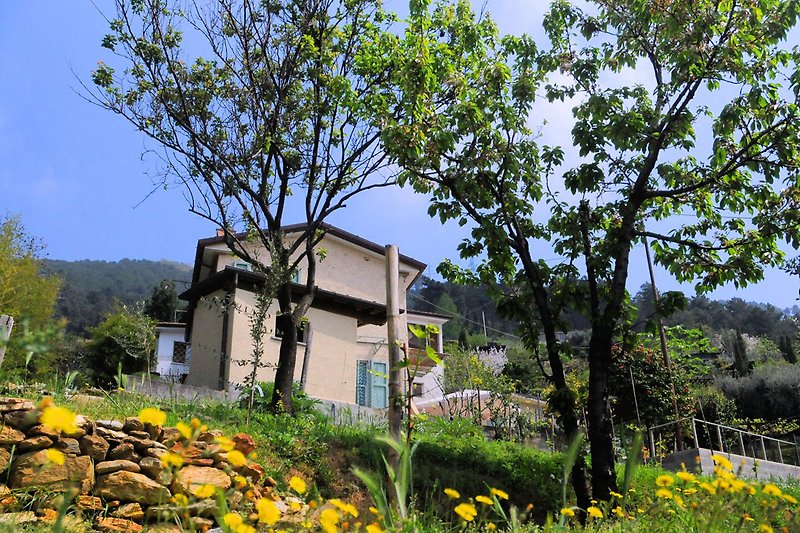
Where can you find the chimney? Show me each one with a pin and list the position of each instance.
(220, 232)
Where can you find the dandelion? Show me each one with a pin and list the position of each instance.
(170, 459)
(185, 430)
(346, 508)
(747, 518)
(466, 511)
(618, 511)
(772, 490)
(297, 485)
(615, 494)
(152, 416)
(452, 494)
(240, 481)
(59, 419)
(665, 480)
(722, 462)
(708, 488)
(764, 528)
(568, 512)
(236, 458)
(268, 512)
(664, 493)
(55, 456)
(328, 520)
(205, 491)
(180, 500)
(374, 510)
(594, 512)
(685, 477)
(484, 500)
(491, 526)
(232, 520)
(374, 528)
(790, 499)
(501, 494)
(224, 443)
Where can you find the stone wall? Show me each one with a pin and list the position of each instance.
(113, 472)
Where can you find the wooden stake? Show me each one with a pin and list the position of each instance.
(393, 336)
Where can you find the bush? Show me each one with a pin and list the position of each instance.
(770, 392)
(303, 404)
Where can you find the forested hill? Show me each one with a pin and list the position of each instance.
(90, 288)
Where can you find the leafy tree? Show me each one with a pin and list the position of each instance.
(25, 293)
(125, 340)
(707, 146)
(787, 349)
(163, 304)
(269, 124)
(741, 362)
(453, 327)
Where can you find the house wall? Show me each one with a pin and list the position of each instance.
(206, 341)
(166, 341)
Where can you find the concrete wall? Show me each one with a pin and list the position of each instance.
(699, 460)
(167, 337)
(206, 341)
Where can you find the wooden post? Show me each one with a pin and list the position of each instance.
(393, 336)
(306, 356)
(6, 323)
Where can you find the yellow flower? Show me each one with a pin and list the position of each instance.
(374, 528)
(665, 480)
(328, 520)
(298, 485)
(170, 459)
(790, 499)
(484, 499)
(689, 492)
(240, 481)
(185, 430)
(685, 476)
(452, 493)
(615, 494)
(594, 512)
(568, 512)
(344, 507)
(664, 493)
(232, 520)
(708, 488)
(59, 419)
(772, 490)
(501, 494)
(180, 500)
(196, 424)
(152, 416)
(268, 512)
(374, 510)
(618, 511)
(491, 526)
(466, 511)
(723, 462)
(224, 443)
(764, 528)
(244, 528)
(236, 458)
(55, 456)
(205, 491)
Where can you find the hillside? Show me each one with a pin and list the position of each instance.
(90, 288)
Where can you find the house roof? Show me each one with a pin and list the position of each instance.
(365, 311)
(429, 314)
(296, 228)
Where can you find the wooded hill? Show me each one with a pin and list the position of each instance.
(90, 288)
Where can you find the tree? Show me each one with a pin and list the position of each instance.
(124, 342)
(270, 124)
(25, 293)
(701, 158)
(163, 303)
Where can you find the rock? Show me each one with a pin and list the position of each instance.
(189, 478)
(35, 443)
(10, 436)
(21, 420)
(78, 433)
(110, 524)
(22, 517)
(251, 470)
(244, 443)
(200, 462)
(143, 435)
(130, 511)
(151, 467)
(89, 503)
(143, 444)
(123, 451)
(15, 404)
(5, 459)
(156, 452)
(131, 487)
(68, 446)
(109, 467)
(132, 423)
(94, 446)
(269, 481)
(210, 435)
(29, 470)
(167, 513)
(166, 528)
(114, 425)
(107, 433)
(170, 435)
(39, 429)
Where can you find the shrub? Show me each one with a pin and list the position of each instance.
(770, 392)
(303, 404)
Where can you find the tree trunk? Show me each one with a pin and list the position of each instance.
(604, 478)
(284, 374)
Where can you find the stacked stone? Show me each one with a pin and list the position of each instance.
(116, 470)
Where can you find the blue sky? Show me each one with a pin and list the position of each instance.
(76, 175)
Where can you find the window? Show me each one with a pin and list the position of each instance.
(180, 352)
(301, 331)
(416, 389)
(242, 264)
(296, 275)
(372, 384)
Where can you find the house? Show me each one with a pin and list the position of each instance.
(342, 354)
(172, 351)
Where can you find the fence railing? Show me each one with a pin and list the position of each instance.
(726, 439)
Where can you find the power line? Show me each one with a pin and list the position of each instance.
(462, 317)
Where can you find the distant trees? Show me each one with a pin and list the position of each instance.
(124, 343)
(163, 303)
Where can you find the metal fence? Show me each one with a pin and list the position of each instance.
(726, 439)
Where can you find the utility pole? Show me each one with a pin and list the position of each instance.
(664, 351)
(393, 336)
